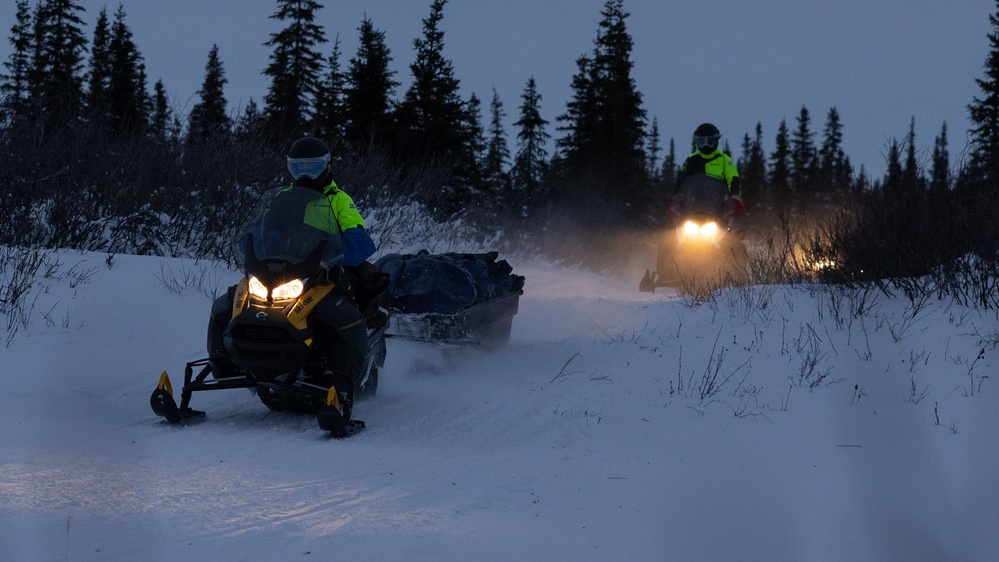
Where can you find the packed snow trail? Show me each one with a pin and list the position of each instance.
(614, 425)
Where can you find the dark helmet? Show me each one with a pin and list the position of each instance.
(309, 163)
(706, 138)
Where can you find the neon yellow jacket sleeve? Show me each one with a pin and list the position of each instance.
(345, 211)
(343, 208)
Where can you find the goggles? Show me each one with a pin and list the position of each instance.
(703, 141)
(311, 167)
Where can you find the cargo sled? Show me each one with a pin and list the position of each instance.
(452, 298)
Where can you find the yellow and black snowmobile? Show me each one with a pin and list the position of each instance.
(291, 328)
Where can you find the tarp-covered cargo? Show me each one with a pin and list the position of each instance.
(452, 297)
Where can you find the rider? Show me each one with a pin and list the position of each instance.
(707, 159)
(338, 322)
(309, 164)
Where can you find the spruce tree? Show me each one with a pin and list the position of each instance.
(579, 122)
(753, 168)
(432, 105)
(604, 150)
(295, 69)
(434, 122)
(669, 170)
(803, 157)
(209, 119)
(250, 125)
(497, 157)
(984, 115)
(862, 183)
(14, 89)
(99, 73)
(128, 101)
(55, 83)
(940, 174)
(623, 118)
(472, 177)
(160, 121)
(652, 150)
(979, 181)
(744, 155)
(834, 172)
(781, 188)
(369, 90)
(330, 113)
(531, 160)
(893, 174)
(911, 180)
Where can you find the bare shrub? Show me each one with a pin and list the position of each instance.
(779, 258)
(917, 243)
(18, 270)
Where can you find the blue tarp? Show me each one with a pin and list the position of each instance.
(446, 283)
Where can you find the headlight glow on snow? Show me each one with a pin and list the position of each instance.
(290, 290)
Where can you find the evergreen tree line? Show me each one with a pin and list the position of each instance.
(91, 159)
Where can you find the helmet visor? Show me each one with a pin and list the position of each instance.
(705, 141)
(311, 167)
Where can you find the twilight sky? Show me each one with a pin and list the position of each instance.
(730, 62)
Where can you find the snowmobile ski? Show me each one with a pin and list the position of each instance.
(164, 405)
(331, 420)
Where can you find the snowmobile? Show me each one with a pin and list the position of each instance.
(289, 329)
(702, 242)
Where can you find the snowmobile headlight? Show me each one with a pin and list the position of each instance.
(257, 288)
(290, 290)
(709, 230)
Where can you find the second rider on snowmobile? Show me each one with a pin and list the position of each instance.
(706, 201)
(708, 160)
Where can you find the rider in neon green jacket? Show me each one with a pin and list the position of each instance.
(710, 161)
(309, 165)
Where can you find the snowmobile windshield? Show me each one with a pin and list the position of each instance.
(703, 194)
(287, 224)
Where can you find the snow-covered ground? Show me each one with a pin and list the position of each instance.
(770, 423)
